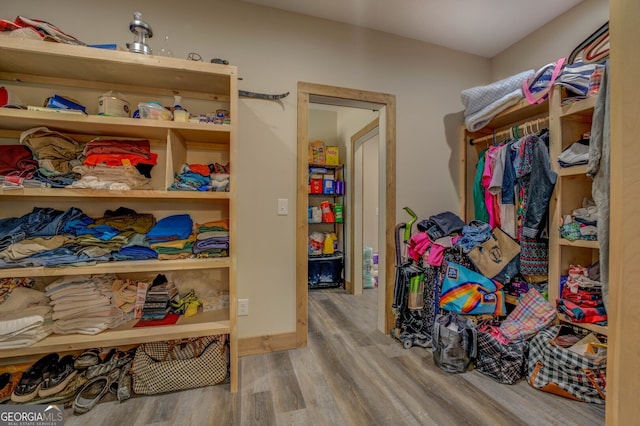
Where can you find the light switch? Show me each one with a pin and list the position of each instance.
(283, 206)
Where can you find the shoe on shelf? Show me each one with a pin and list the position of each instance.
(87, 359)
(57, 378)
(8, 382)
(31, 380)
(93, 391)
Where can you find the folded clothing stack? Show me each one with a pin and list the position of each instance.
(212, 239)
(581, 296)
(26, 318)
(82, 304)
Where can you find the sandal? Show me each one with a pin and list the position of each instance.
(8, 382)
(87, 359)
(93, 391)
(104, 367)
(124, 383)
(32, 378)
(58, 377)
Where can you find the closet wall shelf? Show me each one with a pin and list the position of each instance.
(119, 266)
(579, 243)
(573, 171)
(99, 125)
(583, 107)
(205, 323)
(79, 66)
(522, 111)
(602, 329)
(135, 194)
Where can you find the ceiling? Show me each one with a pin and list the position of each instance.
(481, 27)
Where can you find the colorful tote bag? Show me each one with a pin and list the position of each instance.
(467, 292)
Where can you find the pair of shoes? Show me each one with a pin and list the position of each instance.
(31, 380)
(86, 359)
(58, 376)
(93, 391)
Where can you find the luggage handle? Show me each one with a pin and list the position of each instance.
(594, 382)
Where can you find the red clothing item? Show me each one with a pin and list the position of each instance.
(120, 159)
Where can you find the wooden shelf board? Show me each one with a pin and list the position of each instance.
(579, 243)
(522, 111)
(580, 170)
(512, 300)
(127, 266)
(58, 60)
(327, 166)
(137, 194)
(583, 107)
(202, 324)
(602, 329)
(100, 125)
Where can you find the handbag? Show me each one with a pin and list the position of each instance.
(467, 292)
(160, 367)
(493, 255)
(561, 371)
(503, 362)
(454, 342)
(532, 314)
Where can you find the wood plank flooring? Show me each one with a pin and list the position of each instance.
(349, 374)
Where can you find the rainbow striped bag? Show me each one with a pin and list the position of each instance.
(467, 292)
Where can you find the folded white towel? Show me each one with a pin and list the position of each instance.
(482, 103)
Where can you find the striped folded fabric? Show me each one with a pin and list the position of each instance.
(575, 77)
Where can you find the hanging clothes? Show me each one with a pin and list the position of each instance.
(480, 208)
(535, 184)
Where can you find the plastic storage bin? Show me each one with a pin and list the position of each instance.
(325, 271)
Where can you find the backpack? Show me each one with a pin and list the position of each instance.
(455, 342)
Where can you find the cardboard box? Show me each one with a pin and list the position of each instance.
(316, 152)
(332, 156)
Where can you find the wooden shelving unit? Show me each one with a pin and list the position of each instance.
(35, 70)
(567, 125)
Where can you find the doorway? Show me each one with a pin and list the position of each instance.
(315, 93)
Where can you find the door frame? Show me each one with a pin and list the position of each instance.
(305, 91)
(355, 266)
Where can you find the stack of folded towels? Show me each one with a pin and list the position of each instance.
(25, 317)
(82, 304)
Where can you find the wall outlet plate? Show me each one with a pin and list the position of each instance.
(243, 307)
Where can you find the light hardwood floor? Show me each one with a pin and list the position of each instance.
(349, 374)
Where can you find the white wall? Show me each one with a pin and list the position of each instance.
(273, 51)
(555, 40)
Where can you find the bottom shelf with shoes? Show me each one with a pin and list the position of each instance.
(325, 271)
(82, 379)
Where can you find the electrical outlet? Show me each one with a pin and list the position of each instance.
(243, 307)
(283, 206)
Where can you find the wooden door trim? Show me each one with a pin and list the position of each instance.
(305, 90)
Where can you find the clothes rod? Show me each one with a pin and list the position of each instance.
(524, 129)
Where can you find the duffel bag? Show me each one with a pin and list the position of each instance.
(558, 370)
(504, 362)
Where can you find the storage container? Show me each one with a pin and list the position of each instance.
(325, 271)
